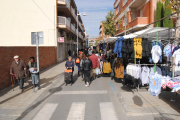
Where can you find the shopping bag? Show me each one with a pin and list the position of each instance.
(97, 71)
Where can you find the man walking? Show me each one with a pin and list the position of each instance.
(69, 52)
(19, 68)
(94, 60)
(86, 67)
(85, 51)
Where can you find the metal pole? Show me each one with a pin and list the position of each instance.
(37, 54)
(77, 34)
(55, 33)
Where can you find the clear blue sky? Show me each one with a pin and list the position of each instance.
(96, 11)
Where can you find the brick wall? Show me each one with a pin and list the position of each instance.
(46, 59)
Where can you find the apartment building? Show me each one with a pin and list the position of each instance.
(133, 15)
(101, 30)
(53, 20)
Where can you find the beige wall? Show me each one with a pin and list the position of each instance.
(18, 18)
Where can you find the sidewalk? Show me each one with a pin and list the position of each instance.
(14, 103)
(143, 106)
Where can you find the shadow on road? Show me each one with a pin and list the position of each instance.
(51, 91)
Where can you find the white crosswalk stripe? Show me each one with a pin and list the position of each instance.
(81, 92)
(77, 111)
(108, 111)
(46, 112)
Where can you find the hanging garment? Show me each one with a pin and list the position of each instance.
(158, 71)
(107, 67)
(119, 72)
(155, 84)
(166, 71)
(127, 48)
(118, 47)
(146, 46)
(156, 53)
(176, 54)
(153, 44)
(145, 75)
(138, 47)
(103, 47)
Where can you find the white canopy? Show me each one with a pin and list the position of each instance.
(151, 33)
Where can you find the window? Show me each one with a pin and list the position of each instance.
(117, 10)
(117, 26)
(40, 38)
(141, 12)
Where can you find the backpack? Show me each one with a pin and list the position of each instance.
(77, 60)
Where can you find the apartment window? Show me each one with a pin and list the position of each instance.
(141, 12)
(40, 38)
(117, 26)
(117, 10)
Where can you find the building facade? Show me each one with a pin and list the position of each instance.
(133, 15)
(51, 19)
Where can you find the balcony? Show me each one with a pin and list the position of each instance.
(137, 3)
(73, 28)
(138, 22)
(64, 3)
(63, 22)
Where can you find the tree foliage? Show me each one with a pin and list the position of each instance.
(159, 13)
(108, 24)
(166, 22)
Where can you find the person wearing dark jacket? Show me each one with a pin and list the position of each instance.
(86, 67)
(85, 51)
(19, 68)
(69, 52)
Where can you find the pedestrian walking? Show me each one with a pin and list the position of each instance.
(70, 66)
(19, 68)
(82, 71)
(85, 51)
(90, 51)
(32, 66)
(86, 67)
(78, 64)
(69, 52)
(94, 60)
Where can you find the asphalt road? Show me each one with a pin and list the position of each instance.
(78, 102)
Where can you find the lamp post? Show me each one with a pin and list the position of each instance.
(78, 30)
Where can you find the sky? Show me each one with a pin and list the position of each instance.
(96, 10)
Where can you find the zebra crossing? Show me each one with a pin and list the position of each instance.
(77, 111)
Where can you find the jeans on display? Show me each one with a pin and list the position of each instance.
(166, 71)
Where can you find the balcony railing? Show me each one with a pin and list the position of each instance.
(63, 21)
(67, 2)
(73, 28)
(138, 21)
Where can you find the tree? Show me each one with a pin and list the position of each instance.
(174, 5)
(159, 13)
(167, 22)
(108, 24)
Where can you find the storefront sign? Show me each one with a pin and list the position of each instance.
(61, 39)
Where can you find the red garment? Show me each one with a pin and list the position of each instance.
(94, 60)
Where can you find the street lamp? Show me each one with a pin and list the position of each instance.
(84, 14)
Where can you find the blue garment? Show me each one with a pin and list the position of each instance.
(167, 51)
(155, 84)
(153, 44)
(166, 71)
(103, 47)
(118, 47)
(176, 48)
